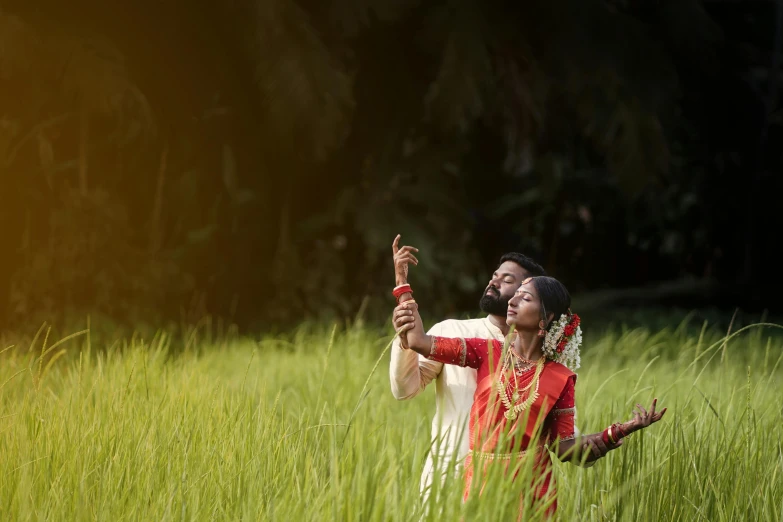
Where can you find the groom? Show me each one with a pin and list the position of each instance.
(410, 373)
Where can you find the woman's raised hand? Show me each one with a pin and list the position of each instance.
(402, 258)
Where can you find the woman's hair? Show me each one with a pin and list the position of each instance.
(554, 297)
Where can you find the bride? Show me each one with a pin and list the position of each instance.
(524, 400)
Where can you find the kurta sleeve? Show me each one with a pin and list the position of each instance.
(459, 351)
(409, 372)
(562, 415)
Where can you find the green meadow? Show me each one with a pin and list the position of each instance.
(304, 427)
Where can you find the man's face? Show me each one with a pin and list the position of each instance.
(501, 288)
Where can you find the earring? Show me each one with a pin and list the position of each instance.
(541, 328)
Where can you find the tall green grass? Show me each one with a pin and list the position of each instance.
(305, 428)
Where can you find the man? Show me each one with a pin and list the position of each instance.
(410, 373)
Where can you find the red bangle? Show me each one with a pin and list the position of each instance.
(400, 290)
(615, 437)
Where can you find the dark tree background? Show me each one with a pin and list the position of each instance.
(253, 159)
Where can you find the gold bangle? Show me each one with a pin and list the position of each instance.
(611, 435)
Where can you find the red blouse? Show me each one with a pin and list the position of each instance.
(476, 353)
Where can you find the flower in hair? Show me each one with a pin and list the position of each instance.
(563, 340)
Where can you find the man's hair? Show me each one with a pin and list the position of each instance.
(533, 269)
(554, 298)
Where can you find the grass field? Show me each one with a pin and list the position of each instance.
(303, 428)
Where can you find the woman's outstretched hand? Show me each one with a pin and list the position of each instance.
(642, 418)
(402, 258)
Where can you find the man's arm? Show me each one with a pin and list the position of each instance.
(409, 372)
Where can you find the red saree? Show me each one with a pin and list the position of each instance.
(497, 438)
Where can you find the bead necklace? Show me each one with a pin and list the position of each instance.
(521, 364)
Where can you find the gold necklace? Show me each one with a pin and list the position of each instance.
(523, 359)
(513, 410)
(521, 364)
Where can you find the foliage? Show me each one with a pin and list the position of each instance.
(254, 159)
(303, 427)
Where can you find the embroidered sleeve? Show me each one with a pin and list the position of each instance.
(563, 414)
(458, 351)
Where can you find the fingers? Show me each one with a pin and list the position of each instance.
(406, 251)
(591, 446)
(599, 443)
(405, 257)
(407, 307)
(400, 321)
(412, 306)
(645, 418)
(658, 416)
(407, 248)
(595, 449)
(640, 415)
(403, 313)
(394, 245)
(404, 328)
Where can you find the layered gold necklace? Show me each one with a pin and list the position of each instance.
(521, 366)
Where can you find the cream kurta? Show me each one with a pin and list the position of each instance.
(454, 388)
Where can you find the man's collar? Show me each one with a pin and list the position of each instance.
(493, 328)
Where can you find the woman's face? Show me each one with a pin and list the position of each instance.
(524, 309)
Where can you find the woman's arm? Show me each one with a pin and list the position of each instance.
(562, 432)
(589, 448)
(417, 339)
(410, 328)
(402, 258)
(585, 449)
(448, 350)
(561, 426)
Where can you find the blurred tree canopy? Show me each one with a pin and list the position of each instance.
(255, 158)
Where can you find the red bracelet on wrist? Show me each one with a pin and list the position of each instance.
(400, 290)
(612, 435)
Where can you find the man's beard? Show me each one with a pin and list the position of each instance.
(493, 303)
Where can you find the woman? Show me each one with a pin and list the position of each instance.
(524, 400)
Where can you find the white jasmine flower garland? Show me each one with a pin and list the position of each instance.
(563, 341)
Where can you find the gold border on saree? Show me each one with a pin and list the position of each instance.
(500, 456)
